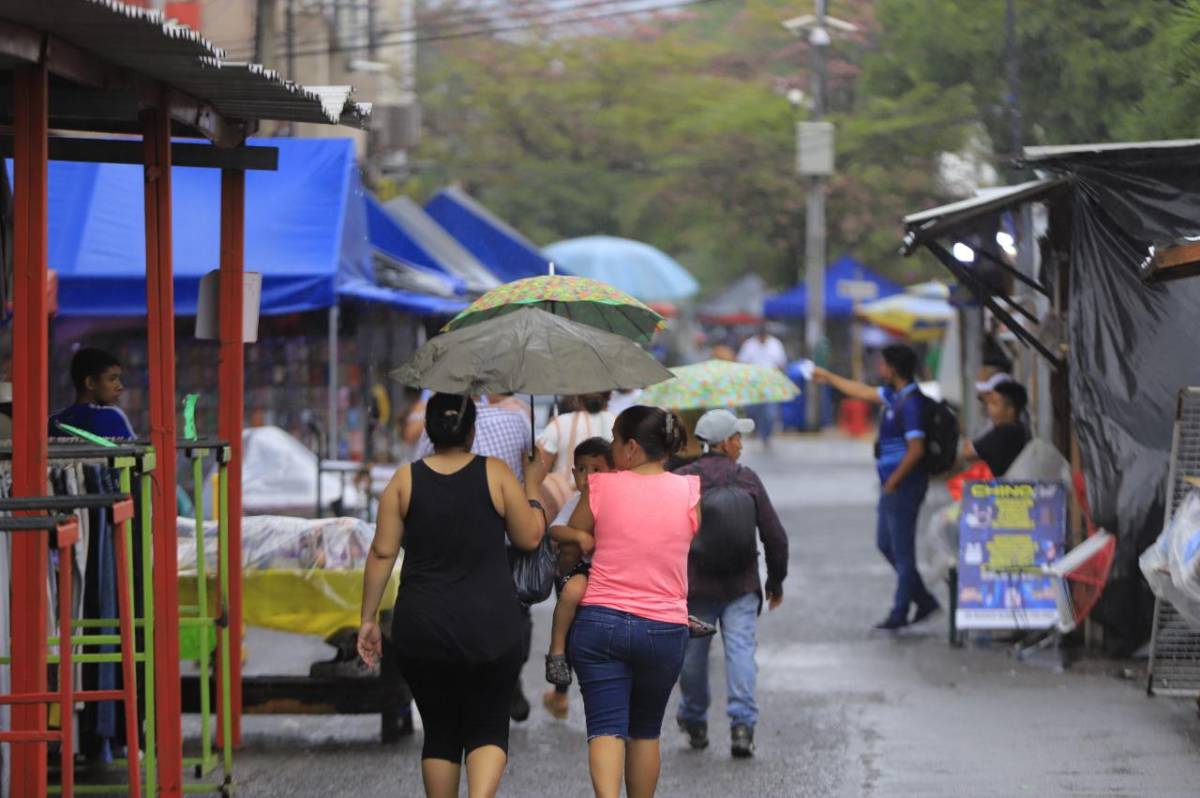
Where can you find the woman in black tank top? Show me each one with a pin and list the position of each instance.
(457, 625)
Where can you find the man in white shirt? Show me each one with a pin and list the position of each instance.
(763, 349)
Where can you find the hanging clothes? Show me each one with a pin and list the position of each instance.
(99, 724)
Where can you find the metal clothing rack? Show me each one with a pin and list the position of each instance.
(133, 463)
(1174, 667)
(41, 514)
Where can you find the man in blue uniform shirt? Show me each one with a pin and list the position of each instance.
(97, 378)
(903, 477)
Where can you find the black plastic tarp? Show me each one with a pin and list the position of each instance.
(1133, 345)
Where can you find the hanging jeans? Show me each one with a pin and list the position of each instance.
(99, 727)
(738, 620)
(896, 537)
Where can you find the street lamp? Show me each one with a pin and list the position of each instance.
(814, 162)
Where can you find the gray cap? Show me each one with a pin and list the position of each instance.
(717, 426)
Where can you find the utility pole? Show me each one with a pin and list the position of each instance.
(814, 162)
(264, 32)
(814, 227)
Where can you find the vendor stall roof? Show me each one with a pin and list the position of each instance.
(419, 239)
(793, 303)
(115, 49)
(1032, 155)
(306, 232)
(504, 250)
(934, 222)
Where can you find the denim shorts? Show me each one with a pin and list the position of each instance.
(627, 667)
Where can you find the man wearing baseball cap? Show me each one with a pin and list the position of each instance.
(723, 580)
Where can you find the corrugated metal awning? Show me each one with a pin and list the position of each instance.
(146, 44)
(935, 222)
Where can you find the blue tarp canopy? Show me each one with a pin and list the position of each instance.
(793, 303)
(306, 232)
(507, 253)
(405, 231)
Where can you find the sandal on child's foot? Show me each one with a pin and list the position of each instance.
(557, 670)
(699, 628)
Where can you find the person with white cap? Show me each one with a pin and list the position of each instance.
(723, 578)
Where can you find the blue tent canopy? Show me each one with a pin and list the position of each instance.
(793, 303)
(507, 253)
(422, 240)
(306, 231)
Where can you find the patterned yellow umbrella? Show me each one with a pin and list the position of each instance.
(715, 384)
(918, 318)
(579, 299)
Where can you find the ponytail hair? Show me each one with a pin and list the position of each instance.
(449, 420)
(659, 433)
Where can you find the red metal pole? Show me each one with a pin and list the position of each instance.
(30, 413)
(160, 306)
(231, 408)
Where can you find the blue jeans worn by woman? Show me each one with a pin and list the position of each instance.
(627, 667)
(739, 623)
(895, 535)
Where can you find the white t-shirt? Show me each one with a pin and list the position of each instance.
(763, 353)
(567, 431)
(564, 515)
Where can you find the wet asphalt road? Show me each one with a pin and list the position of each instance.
(843, 712)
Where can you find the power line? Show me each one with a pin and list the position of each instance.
(486, 31)
(441, 24)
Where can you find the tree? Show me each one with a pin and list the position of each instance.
(675, 131)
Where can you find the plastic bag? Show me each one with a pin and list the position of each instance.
(533, 571)
(937, 545)
(1156, 565)
(284, 543)
(1039, 461)
(1183, 547)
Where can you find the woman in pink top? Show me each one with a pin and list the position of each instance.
(630, 634)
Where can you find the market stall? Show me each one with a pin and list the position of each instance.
(1117, 345)
(109, 68)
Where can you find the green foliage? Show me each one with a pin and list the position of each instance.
(676, 131)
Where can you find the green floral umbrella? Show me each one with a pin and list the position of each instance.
(720, 383)
(579, 299)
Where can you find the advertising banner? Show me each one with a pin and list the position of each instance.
(1007, 532)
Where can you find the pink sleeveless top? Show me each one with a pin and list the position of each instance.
(644, 529)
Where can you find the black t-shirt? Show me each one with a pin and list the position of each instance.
(1000, 446)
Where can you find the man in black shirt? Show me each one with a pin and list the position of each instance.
(1000, 446)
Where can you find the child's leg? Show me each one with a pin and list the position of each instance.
(564, 613)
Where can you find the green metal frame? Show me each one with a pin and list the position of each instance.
(198, 617)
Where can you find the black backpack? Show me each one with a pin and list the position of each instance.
(940, 424)
(941, 436)
(727, 542)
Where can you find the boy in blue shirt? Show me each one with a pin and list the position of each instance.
(903, 477)
(97, 378)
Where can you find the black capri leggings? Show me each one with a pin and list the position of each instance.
(463, 706)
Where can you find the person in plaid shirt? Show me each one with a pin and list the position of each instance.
(505, 435)
(500, 433)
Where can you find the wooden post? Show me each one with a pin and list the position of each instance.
(30, 413)
(230, 404)
(160, 319)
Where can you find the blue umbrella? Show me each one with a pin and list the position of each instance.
(635, 268)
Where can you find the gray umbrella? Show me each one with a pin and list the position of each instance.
(530, 351)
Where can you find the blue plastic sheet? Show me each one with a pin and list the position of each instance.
(307, 232)
(507, 253)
